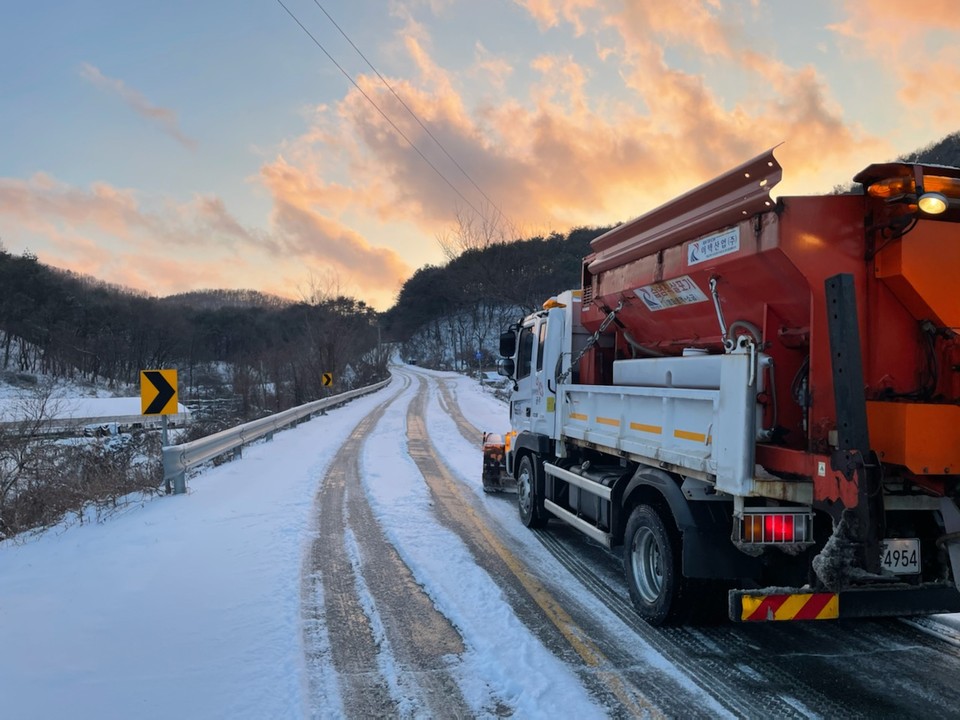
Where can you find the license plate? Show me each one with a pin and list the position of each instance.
(900, 556)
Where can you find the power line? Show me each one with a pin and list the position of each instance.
(379, 110)
(405, 106)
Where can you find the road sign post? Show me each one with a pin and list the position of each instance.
(326, 380)
(158, 396)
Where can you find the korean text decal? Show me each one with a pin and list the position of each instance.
(670, 293)
(713, 246)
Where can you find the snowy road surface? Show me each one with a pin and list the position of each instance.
(353, 567)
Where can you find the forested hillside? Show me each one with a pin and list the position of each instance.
(945, 151)
(445, 315)
(521, 274)
(275, 351)
(78, 327)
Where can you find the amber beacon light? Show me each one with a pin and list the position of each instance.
(932, 203)
(932, 193)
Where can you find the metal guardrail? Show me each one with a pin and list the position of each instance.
(177, 459)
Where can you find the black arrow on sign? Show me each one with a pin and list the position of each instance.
(166, 392)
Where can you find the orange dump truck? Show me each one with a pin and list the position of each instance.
(758, 400)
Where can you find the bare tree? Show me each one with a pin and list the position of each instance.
(476, 232)
(323, 288)
(42, 480)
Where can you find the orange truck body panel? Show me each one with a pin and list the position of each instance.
(773, 277)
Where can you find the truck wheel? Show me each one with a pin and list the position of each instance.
(651, 559)
(530, 494)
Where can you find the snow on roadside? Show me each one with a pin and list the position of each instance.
(186, 607)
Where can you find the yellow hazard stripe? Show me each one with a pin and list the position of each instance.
(578, 416)
(642, 427)
(800, 606)
(608, 421)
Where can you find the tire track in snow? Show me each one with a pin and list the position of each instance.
(534, 604)
(451, 406)
(364, 614)
(666, 691)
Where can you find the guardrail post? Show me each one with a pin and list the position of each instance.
(180, 483)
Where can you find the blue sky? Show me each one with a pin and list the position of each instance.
(183, 145)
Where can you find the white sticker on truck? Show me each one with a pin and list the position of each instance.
(670, 293)
(713, 246)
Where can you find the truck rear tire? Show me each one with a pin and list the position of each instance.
(530, 493)
(651, 560)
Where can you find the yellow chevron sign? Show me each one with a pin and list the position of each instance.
(327, 379)
(158, 392)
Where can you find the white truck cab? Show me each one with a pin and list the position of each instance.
(541, 358)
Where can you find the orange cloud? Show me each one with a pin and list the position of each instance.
(302, 228)
(492, 69)
(685, 132)
(935, 86)
(681, 22)
(568, 158)
(548, 13)
(916, 45)
(882, 24)
(565, 82)
(107, 233)
(165, 118)
(42, 201)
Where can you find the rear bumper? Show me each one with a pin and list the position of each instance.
(779, 605)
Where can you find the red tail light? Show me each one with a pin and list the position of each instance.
(778, 528)
(772, 526)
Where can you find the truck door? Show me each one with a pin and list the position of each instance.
(535, 398)
(521, 408)
(544, 384)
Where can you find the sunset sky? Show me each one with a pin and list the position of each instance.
(180, 145)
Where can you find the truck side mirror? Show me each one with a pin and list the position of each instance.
(505, 367)
(508, 343)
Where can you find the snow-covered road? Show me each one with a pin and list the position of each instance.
(191, 605)
(353, 566)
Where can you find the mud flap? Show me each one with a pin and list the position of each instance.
(951, 522)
